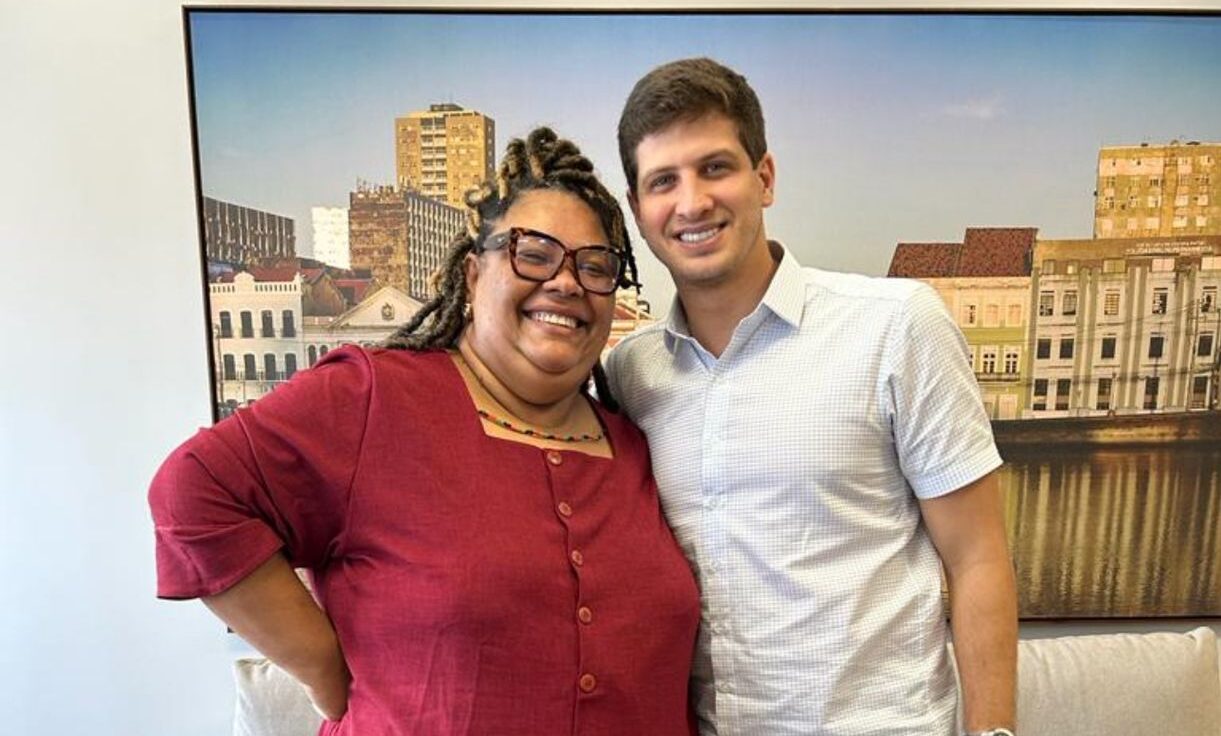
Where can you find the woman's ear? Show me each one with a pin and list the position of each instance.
(470, 268)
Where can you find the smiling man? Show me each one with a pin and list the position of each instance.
(820, 449)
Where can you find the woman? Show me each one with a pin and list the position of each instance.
(484, 540)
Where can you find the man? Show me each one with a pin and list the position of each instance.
(819, 446)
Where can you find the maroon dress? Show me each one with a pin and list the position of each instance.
(477, 585)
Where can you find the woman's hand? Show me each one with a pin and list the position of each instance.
(275, 614)
(329, 694)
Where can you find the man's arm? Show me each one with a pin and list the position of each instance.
(968, 529)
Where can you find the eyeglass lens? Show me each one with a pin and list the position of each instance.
(540, 259)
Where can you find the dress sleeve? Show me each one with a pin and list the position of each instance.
(942, 434)
(274, 476)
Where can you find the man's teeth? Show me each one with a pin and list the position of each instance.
(698, 237)
(554, 319)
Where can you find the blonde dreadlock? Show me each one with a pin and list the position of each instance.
(541, 161)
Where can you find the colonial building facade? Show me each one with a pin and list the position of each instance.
(985, 283)
(1124, 326)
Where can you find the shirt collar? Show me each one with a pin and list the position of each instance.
(785, 297)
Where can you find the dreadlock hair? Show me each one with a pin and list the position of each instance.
(542, 161)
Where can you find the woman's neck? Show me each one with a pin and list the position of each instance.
(557, 414)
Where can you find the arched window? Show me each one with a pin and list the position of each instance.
(322, 351)
(312, 355)
(226, 324)
(229, 367)
(269, 367)
(269, 328)
(250, 370)
(290, 365)
(288, 324)
(247, 324)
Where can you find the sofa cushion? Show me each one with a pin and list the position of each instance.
(1156, 684)
(270, 702)
(1120, 685)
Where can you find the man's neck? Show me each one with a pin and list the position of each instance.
(713, 311)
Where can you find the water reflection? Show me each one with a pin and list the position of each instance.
(1115, 532)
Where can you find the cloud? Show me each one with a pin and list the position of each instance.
(984, 108)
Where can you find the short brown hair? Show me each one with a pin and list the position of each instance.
(682, 91)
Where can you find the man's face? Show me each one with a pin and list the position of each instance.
(699, 202)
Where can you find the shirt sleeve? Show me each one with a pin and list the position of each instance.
(611, 367)
(942, 434)
(274, 476)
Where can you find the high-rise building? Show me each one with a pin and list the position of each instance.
(243, 235)
(444, 152)
(431, 228)
(1150, 191)
(400, 236)
(331, 236)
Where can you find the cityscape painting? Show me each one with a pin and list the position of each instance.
(1056, 179)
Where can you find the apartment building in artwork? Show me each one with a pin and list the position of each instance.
(1169, 190)
(985, 283)
(431, 229)
(1124, 326)
(444, 152)
(399, 236)
(243, 235)
(331, 236)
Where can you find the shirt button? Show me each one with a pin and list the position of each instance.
(564, 509)
(584, 615)
(555, 458)
(587, 683)
(577, 558)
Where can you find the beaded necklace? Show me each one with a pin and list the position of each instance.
(540, 434)
(526, 431)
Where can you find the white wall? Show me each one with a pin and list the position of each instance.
(96, 222)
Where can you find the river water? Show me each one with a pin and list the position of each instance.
(1115, 532)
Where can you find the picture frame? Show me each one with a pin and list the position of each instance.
(966, 148)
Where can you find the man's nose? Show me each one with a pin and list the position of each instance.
(693, 200)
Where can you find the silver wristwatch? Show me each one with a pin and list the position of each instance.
(993, 732)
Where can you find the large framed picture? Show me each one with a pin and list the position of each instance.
(1055, 177)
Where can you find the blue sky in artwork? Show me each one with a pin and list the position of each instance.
(885, 128)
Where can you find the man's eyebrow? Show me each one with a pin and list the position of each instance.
(719, 153)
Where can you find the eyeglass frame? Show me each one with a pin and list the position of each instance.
(510, 236)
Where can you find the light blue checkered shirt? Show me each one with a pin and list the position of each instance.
(789, 469)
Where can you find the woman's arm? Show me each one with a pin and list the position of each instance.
(271, 609)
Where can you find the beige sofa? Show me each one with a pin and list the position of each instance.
(1157, 684)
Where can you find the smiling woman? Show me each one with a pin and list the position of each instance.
(484, 538)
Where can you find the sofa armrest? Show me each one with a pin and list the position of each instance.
(270, 702)
(1120, 685)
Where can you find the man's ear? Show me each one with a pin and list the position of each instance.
(634, 204)
(766, 171)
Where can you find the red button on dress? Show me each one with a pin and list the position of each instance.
(584, 615)
(587, 683)
(564, 508)
(554, 457)
(578, 559)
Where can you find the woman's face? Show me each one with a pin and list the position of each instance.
(540, 339)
